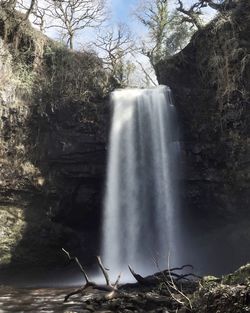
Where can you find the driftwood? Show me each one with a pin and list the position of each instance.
(112, 289)
(169, 276)
(165, 275)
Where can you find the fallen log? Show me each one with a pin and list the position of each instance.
(163, 276)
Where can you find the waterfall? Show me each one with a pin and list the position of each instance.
(139, 222)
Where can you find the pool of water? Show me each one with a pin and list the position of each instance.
(44, 300)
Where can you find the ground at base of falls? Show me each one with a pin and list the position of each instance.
(228, 294)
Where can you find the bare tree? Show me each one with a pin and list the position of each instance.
(40, 16)
(168, 29)
(147, 77)
(113, 46)
(20, 4)
(30, 9)
(27, 7)
(192, 15)
(154, 16)
(76, 15)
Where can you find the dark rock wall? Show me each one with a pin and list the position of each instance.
(210, 83)
(71, 154)
(53, 135)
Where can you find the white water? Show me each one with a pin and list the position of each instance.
(140, 209)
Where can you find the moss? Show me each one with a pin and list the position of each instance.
(47, 70)
(74, 76)
(241, 276)
(221, 298)
(12, 226)
(227, 294)
(210, 279)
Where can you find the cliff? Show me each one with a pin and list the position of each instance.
(53, 127)
(53, 134)
(210, 82)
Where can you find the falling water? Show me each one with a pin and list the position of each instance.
(140, 202)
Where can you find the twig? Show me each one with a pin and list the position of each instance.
(104, 270)
(78, 263)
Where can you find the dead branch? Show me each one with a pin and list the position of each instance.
(76, 292)
(171, 285)
(139, 278)
(166, 275)
(104, 270)
(112, 289)
(78, 263)
(223, 6)
(88, 282)
(169, 277)
(185, 276)
(192, 15)
(181, 268)
(146, 73)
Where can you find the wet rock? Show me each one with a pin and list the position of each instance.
(241, 276)
(90, 308)
(212, 98)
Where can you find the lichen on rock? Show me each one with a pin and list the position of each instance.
(12, 226)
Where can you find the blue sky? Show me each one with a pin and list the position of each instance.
(122, 9)
(122, 12)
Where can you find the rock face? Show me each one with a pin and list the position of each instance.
(53, 133)
(210, 82)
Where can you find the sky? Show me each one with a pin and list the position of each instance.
(122, 9)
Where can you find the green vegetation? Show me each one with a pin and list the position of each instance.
(12, 224)
(227, 294)
(45, 69)
(241, 276)
(169, 30)
(75, 76)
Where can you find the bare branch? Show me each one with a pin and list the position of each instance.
(155, 16)
(223, 6)
(146, 73)
(111, 289)
(139, 278)
(76, 15)
(193, 13)
(114, 45)
(30, 9)
(104, 270)
(78, 263)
